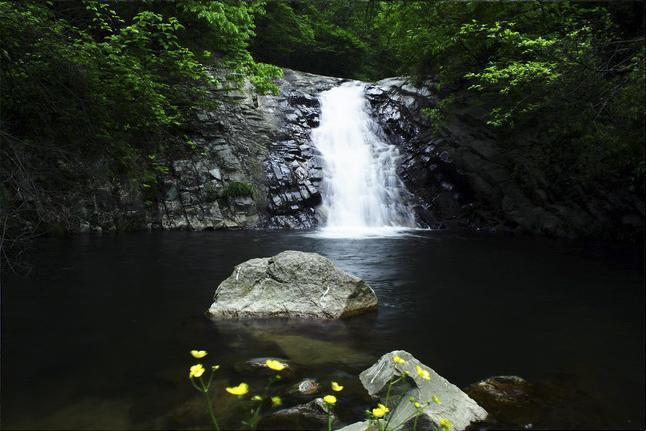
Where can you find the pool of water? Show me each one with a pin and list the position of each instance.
(98, 334)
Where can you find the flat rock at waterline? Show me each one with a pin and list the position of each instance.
(312, 415)
(453, 404)
(291, 284)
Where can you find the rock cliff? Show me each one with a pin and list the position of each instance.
(259, 144)
(254, 166)
(464, 176)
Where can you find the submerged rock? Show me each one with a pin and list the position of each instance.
(305, 387)
(502, 389)
(308, 350)
(441, 399)
(291, 284)
(510, 400)
(256, 364)
(312, 415)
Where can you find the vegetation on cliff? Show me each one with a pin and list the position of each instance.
(561, 82)
(95, 90)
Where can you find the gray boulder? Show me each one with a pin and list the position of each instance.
(440, 398)
(291, 284)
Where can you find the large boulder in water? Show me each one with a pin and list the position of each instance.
(291, 284)
(441, 400)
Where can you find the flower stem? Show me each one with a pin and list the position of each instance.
(329, 419)
(195, 385)
(415, 423)
(388, 421)
(208, 385)
(256, 417)
(390, 385)
(210, 406)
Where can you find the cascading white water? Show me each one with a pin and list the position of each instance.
(362, 194)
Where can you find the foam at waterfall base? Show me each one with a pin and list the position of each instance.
(363, 232)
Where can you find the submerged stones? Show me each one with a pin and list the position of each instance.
(502, 389)
(557, 402)
(292, 284)
(311, 415)
(255, 364)
(511, 400)
(306, 386)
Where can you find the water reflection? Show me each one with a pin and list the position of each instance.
(112, 319)
(305, 343)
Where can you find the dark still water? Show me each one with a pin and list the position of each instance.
(97, 337)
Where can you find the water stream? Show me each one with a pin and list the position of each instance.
(362, 194)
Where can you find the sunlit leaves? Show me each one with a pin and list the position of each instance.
(119, 80)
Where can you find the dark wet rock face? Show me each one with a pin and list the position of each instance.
(444, 169)
(294, 167)
(426, 167)
(258, 144)
(201, 191)
(464, 176)
(260, 141)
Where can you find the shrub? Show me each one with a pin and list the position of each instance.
(237, 189)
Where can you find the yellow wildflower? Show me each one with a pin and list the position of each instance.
(276, 401)
(435, 399)
(398, 359)
(196, 371)
(417, 405)
(256, 398)
(275, 365)
(380, 411)
(330, 399)
(241, 389)
(445, 424)
(423, 373)
(336, 387)
(199, 354)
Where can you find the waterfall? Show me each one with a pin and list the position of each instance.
(362, 194)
